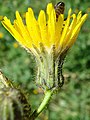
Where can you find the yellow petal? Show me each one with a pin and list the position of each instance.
(28, 40)
(7, 24)
(58, 29)
(22, 26)
(79, 16)
(49, 8)
(65, 30)
(71, 27)
(51, 23)
(84, 17)
(76, 30)
(33, 27)
(17, 28)
(73, 39)
(73, 23)
(43, 28)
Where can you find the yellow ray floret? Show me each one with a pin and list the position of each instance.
(43, 27)
(46, 29)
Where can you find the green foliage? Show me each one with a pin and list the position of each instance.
(17, 63)
(74, 100)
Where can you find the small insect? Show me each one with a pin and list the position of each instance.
(59, 9)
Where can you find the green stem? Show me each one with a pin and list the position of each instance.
(45, 101)
(42, 106)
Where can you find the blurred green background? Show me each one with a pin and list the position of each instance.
(73, 102)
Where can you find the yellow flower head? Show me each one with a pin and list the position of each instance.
(48, 38)
(46, 30)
